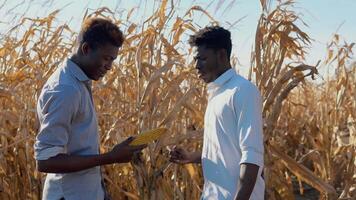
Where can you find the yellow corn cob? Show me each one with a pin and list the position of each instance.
(148, 136)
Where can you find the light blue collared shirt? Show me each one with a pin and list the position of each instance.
(68, 125)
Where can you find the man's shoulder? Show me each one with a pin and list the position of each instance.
(242, 84)
(62, 80)
(61, 84)
(59, 92)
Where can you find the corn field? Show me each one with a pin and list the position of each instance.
(309, 119)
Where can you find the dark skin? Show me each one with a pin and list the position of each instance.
(95, 62)
(210, 64)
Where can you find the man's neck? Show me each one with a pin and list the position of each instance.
(223, 70)
(74, 58)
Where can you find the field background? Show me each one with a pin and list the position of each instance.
(309, 129)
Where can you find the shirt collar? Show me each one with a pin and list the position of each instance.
(77, 71)
(221, 80)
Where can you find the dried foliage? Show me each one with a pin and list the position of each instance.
(309, 130)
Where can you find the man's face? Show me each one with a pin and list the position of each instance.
(207, 63)
(99, 60)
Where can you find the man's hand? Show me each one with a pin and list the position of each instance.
(182, 156)
(123, 152)
(64, 163)
(248, 176)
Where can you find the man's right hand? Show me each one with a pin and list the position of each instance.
(123, 152)
(65, 163)
(182, 156)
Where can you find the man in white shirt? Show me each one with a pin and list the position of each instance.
(232, 154)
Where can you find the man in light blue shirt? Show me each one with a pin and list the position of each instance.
(67, 145)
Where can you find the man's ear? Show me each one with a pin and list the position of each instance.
(222, 53)
(85, 48)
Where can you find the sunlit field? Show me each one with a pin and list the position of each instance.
(309, 118)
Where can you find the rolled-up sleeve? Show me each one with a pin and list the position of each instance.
(55, 108)
(248, 107)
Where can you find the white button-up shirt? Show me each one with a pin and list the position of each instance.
(232, 136)
(68, 125)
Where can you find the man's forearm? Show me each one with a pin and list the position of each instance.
(64, 163)
(247, 181)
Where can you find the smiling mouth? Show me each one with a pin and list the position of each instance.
(102, 73)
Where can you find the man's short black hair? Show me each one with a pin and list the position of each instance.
(214, 37)
(98, 31)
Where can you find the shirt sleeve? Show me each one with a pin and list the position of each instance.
(248, 108)
(56, 108)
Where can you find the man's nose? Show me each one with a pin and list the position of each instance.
(198, 66)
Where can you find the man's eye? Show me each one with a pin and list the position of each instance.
(199, 58)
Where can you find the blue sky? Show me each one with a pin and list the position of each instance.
(324, 17)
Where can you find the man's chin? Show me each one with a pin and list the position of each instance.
(204, 79)
(95, 78)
